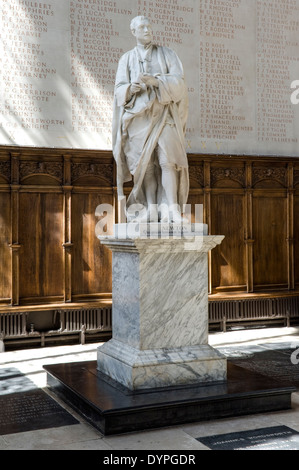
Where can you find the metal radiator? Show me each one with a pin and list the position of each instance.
(252, 310)
(90, 319)
(13, 324)
(15, 327)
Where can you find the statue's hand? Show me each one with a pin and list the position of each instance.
(149, 80)
(135, 88)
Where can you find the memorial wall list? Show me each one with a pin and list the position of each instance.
(277, 63)
(30, 72)
(226, 79)
(58, 61)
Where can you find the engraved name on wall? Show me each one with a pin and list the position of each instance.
(58, 62)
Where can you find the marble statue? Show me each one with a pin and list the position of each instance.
(149, 120)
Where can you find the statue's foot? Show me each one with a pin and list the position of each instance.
(173, 216)
(164, 217)
(141, 219)
(177, 218)
(152, 214)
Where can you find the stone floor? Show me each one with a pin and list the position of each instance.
(237, 345)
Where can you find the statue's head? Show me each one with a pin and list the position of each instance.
(142, 29)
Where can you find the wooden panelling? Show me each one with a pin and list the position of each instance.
(41, 252)
(5, 251)
(91, 269)
(254, 202)
(48, 199)
(296, 238)
(48, 248)
(295, 213)
(227, 218)
(270, 258)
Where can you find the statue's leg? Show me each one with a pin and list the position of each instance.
(169, 151)
(169, 181)
(170, 185)
(150, 185)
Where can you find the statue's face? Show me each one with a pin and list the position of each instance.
(143, 33)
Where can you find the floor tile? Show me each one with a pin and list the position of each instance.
(166, 439)
(57, 437)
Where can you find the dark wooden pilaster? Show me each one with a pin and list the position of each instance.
(249, 228)
(15, 246)
(67, 244)
(290, 227)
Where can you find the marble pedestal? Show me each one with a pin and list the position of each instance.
(160, 310)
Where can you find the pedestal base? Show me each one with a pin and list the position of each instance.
(137, 369)
(160, 312)
(113, 409)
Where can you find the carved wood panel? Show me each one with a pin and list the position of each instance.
(270, 258)
(269, 174)
(53, 169)
(41, 253)
(91, 267)
(228, 175)
(91, 169)
(227, 218)
(296, 239)
(5, 251)
(48, 197)
(5, 170)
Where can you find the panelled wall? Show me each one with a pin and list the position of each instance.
(55, 277)
(253, 202)
(51, 260)
(49, 251)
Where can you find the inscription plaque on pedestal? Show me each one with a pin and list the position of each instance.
(59, 59)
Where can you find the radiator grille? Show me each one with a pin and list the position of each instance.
(225, 311)
(91, 319)
(13, 324)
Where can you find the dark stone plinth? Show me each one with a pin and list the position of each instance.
(114, 409)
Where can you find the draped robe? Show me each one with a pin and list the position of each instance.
(155, 116)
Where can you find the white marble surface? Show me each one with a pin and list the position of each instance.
(160, 300)
(160, 290)
(160, 313)
(139, 369)
(139, 244)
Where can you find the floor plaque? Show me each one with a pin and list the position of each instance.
(272, 438)
(32, 410)
(276, 364)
